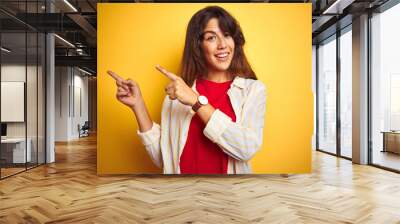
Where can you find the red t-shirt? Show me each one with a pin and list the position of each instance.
(200, 155)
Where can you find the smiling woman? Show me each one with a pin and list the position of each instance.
(213, 116)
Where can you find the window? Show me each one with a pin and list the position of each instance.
(385, 88)
(346, 93)
(327, 95)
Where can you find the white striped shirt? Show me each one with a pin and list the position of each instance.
(240, 139)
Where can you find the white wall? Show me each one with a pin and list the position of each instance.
(81, 94)
(71, 94)
(16, 73)
(61, 103)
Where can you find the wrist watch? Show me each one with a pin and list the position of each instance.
(201, 101)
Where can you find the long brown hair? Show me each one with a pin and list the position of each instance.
(193, 62)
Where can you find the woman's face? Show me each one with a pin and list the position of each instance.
(218, 47)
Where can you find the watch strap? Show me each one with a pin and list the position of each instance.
(196, 106)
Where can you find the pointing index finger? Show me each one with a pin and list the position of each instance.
(169, 75)
(115, 76)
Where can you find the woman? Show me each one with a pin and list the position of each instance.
(216, 125)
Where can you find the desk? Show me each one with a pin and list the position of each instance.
(15, 148)
(391, 141)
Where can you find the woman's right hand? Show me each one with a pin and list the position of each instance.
(128, 91)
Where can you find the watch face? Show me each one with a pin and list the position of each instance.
(203, 100)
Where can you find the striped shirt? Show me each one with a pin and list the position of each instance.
(240, 140)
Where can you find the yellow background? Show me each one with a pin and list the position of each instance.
(132, 38)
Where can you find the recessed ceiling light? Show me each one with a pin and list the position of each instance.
(71, 6)
(84, 71)
(337, 7)
(64, 40)
(5, 50)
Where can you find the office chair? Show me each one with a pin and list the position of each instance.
(84, 130)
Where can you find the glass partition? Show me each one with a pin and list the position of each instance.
(41, 107)
(22, 88)
(32, 95)
(13, 103)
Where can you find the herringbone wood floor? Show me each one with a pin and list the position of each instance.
(69, 191)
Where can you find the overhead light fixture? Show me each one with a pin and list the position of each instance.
(5, 50)
(337, 7)
(84, 71)
(80, 51)
(64, 40)
(70, 5)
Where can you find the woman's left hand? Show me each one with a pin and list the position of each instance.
(178, 89)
